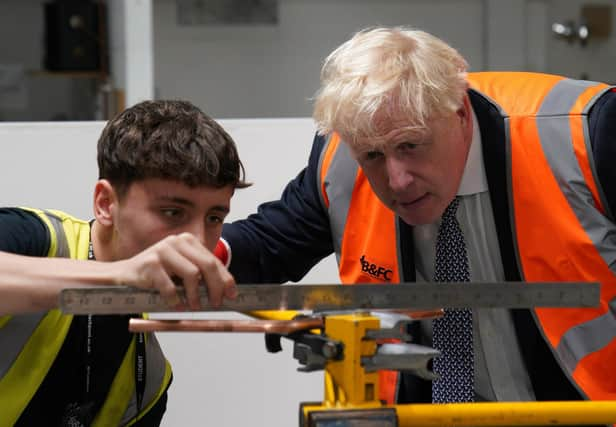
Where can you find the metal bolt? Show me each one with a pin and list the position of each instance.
(330, 350)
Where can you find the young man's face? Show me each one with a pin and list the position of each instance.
(153, 209)
(417, 176)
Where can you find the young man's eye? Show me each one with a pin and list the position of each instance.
(215, 219)
(171, 213)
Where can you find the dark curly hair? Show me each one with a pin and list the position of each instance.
(168, 139)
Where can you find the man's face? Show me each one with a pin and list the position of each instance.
(153, 209)
(417, 175)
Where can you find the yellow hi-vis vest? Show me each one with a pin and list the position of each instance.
(561, 230)
(33, 341)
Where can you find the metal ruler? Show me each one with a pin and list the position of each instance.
(403, 296)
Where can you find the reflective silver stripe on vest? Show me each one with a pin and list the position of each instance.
(553, 127)
(564, 165)
(155, 371)
(556, 141)
(320, 169)
(339, 183)
(62, 248)
(13, 338)
(19, 328)
(578, 342)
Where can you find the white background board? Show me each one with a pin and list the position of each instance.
(219, 379)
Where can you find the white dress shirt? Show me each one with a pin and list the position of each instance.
(499, 371)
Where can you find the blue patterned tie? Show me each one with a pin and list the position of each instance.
(453, 333)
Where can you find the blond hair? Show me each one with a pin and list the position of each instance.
(388, 69)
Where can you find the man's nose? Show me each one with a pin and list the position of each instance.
(398, 173)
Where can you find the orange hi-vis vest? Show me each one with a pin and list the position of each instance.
(559, 217)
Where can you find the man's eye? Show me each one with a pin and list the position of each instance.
(408, 146)
(372, 155)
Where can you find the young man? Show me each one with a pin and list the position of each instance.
(433, 174)
(166, 176)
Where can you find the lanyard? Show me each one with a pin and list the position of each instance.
(140, 362)
(89, 338)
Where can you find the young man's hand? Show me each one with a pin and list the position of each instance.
(179, 259)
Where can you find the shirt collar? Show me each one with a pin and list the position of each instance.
(474, 177)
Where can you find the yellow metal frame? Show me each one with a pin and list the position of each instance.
(347, 383)
(349, 387)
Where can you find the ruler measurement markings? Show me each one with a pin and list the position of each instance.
(328, 297)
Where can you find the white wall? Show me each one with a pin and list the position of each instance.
(235, 71)
(219, 379)
(244, 71)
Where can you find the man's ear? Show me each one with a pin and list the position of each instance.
(465, 113)
(105, 201)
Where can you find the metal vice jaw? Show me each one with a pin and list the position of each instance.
(348, 350)
(313, 350)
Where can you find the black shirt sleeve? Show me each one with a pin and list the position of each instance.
(23, 233)
(286, 237)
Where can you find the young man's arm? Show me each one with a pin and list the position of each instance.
(30, 282)
(286, 237)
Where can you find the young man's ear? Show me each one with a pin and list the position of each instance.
(105, 200)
